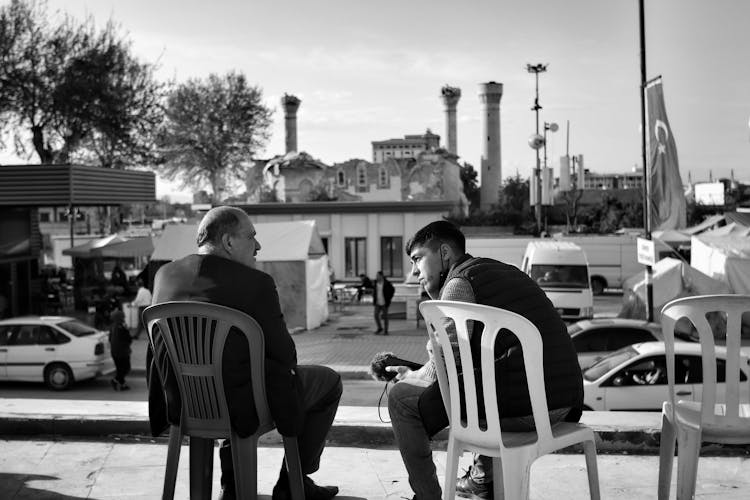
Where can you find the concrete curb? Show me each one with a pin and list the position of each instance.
(617, 432)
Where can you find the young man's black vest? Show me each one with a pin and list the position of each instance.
(502, 285)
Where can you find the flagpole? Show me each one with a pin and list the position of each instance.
(646, 176)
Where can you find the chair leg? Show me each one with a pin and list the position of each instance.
(589, 448)
(666, 456)
(516, 478)
(245, 460)
(173, 460)
(451, 468)
(688, 452)
(201, 467)
(293, 467)
(497, 478)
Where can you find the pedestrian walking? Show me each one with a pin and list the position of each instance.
(119, 344)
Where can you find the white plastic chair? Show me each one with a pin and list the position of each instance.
(194, 334)
(512, 452)
(690, 422)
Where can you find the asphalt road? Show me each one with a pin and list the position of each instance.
(356, 392)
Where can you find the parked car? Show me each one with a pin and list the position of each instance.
(56, 350)
(595, 338)
(635, 377)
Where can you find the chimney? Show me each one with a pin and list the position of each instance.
(291, 105)
(450, 96)
(490, 94)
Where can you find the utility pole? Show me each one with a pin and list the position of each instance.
(536, 69)
(646, 169)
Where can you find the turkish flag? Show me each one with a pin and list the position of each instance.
(665, 184)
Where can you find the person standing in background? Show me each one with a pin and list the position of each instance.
(119, 344)
(382, 296)
(142, 301)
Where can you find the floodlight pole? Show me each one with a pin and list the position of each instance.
(644, 160)
(536, 69)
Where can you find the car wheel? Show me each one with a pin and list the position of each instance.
(598, 285)
(58, 376)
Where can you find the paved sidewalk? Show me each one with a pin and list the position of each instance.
(134, 470)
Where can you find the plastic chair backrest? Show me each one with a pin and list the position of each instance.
(695, 310)
(194, 334)
(436, 314)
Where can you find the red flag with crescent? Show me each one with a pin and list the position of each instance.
(668, 206)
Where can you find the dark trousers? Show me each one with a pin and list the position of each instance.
(321, 389)
(381, 311)
(122, 365)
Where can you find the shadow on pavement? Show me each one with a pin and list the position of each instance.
(13, 486)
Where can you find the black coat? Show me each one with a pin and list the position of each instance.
(208, 278)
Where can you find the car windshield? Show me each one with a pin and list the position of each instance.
(560, 276)
(75, 327)
(609, 362)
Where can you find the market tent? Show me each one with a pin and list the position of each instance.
(291, 252)
(725, 257)
(84, 250)
(672, 278)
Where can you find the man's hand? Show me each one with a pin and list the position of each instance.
(403, 374)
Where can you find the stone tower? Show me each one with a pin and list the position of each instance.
(490, 94)
(291, 105)
(450, 96)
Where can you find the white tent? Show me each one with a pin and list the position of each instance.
(724, 256)
(291, 252)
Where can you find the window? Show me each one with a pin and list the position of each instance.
(44, 217)
(355, 257)
(391, 252)
(383, 178)
(340, 178)
(361, 177)
(621, 337)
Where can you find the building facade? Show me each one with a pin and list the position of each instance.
(408, 147)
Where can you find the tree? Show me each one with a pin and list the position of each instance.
(213, 128)
(572, 200)
(471, 188)
(71, 88)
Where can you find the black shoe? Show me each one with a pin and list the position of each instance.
(466, 487)
(377, 332)
(115, 384)
(312, 491)
(227, 494)
(124, 387)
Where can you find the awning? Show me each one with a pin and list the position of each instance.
(113, 246)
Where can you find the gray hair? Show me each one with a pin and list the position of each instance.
(216, 223)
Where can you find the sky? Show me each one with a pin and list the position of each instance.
(368, 71)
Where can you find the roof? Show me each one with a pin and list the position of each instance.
(279, 241)
(40, 185)
(565, 246)
(706, 224)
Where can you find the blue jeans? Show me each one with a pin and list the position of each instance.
(413, 440)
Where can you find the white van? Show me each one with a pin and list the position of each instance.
(562, 271)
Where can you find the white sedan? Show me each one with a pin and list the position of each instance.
(595, 338)
(57, 350)
(635, 377)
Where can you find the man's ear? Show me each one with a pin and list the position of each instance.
(226, 242)
(446, 252)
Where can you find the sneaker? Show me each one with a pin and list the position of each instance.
(124, 387)
(466, 487)
(377, 332)
(115, 384)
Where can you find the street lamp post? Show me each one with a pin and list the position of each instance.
(536, 69)
(552, 127)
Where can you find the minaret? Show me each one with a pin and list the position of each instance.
(490, 94)
(291, 105)
(450, 96)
